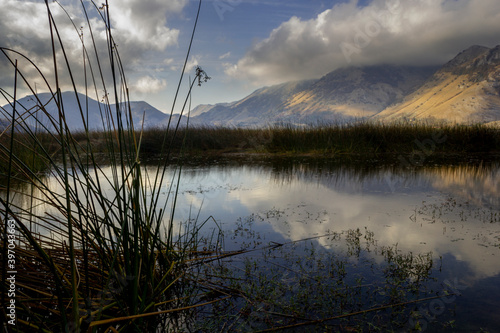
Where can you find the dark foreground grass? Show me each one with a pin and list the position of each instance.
(76, 257)
(418, 142)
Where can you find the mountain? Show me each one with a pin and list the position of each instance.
(261, 107)
(344, 94)
(72, 107)
(359, 91)
(464, 90)
(152, 116)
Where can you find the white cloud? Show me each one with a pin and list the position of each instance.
(192, 63)
(24, 28)
(225, 55)
(168, 61)
(392, 31)
(142, 23)
(138, 26)
(148, 84)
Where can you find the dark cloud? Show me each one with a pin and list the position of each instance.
(384, 31)
(139, 27)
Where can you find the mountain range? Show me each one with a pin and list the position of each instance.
(28, 108)
(464, 90)
(342, 95)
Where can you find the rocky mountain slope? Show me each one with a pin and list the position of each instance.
(343, 94)
(465, 90)
(359, 92)
(261, 107)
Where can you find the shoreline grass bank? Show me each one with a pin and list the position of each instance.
(328, 140)
(349, 142)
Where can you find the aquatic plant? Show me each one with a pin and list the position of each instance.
(300, 286)
(400, 142)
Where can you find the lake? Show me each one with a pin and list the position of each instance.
(452, 212)
(448, 215)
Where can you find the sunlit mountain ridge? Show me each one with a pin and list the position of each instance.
(464, 90)
(345, 94)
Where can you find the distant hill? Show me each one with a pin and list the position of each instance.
(152, 116)
(30, 108)
(263, 106)
(341, 95)
(465, 90)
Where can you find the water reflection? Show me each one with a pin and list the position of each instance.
(449, 210)
(479, 185)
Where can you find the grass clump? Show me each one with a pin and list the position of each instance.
(324, 140)
(360, 138)
(91, 259)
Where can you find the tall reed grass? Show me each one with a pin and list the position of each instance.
(359, 138)
(89, 259)
(383, 138)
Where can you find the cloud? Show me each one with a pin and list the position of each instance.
(142, 23)
(225, 55)
(149, 84)
(192, 63)
(139, 28)
(168, 61)
(421, 32)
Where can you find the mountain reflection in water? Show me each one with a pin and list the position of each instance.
(449, 210)
(453, 211)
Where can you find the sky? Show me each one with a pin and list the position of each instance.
(245, 44)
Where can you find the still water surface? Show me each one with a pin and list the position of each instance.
(451, 211)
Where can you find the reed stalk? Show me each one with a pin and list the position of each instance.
(89, 259)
